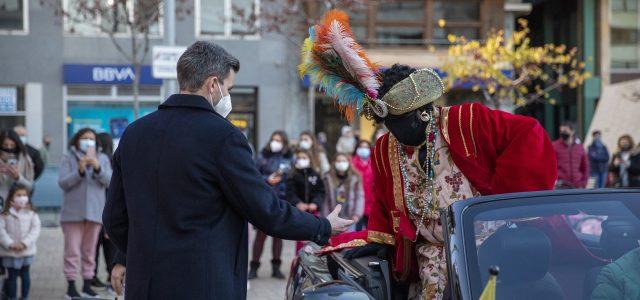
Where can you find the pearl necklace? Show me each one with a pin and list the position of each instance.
(419, 207)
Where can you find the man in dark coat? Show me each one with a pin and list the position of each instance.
(184, 186)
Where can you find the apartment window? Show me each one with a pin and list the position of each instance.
(421, 22)
(625, 34)
(86, 20)
(227, 17)
(13, 15)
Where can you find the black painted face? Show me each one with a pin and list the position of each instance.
(407, 128)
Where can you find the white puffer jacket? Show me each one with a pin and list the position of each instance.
(21, 226)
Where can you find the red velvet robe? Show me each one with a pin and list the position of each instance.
(498, 152)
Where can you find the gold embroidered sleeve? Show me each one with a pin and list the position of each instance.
(380, 237)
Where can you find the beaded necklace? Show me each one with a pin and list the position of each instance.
(419, 207)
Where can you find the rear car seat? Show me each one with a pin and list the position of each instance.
(523, 255)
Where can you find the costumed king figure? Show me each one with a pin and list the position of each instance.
(432, 157)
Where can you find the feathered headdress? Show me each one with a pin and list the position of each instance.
(334, 61)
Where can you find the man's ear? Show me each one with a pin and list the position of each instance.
(210, 82)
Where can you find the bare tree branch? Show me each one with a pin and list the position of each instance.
(118, 47)
(137, 19)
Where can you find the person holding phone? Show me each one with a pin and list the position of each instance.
(15, 165)
(84, 176)
(274, 163)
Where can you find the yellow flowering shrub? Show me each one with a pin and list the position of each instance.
(509, 69)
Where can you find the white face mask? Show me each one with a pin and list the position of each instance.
(303, 163)
(306, 144)
(21, 201)
(23, 138)
(276, 146)
(85, 144)
(364, 153)
(342, 166)
(224, 105)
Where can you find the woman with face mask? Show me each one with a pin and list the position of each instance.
(85, 173)
(318, 154)
(274, 162)
(15, 165)
(621, 164)
(305, 189)
(362, 163)
(343, 185)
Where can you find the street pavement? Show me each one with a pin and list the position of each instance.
(47, 280)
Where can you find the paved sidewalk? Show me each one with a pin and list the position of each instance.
(265, 287)
(47, 280)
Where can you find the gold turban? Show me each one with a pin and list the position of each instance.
(419, 89)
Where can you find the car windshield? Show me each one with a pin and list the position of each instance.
(561, 247)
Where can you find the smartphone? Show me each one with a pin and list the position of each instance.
(284, 168)
(91, 152)
(12, 161)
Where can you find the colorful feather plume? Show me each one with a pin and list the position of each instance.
(334, 61)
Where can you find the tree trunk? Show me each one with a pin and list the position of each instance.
(136, 91)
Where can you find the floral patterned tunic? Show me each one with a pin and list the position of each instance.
(450, 186)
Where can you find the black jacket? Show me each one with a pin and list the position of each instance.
(305, 186)
(183, 188)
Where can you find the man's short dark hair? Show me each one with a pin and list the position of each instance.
(596, 132)
(201, 61)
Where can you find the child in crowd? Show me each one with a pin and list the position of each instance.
(343, 185)
(305, 188)
(19, 231)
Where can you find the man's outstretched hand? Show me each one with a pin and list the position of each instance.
(338, 225)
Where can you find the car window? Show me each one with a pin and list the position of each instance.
(576, 250)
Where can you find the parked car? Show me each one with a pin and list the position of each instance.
(547, 245)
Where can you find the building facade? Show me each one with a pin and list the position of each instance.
(58, 76)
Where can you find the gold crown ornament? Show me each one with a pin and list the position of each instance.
(419, 89)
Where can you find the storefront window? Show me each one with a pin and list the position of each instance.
(625, 34)
(227, 17)
(12, 106)
(143, 90)
(244, 114)
(12, 15)
(111, 117)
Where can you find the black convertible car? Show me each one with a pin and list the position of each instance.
(547, 245)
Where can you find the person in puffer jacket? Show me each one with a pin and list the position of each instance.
(619, 280)
(19, 231)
